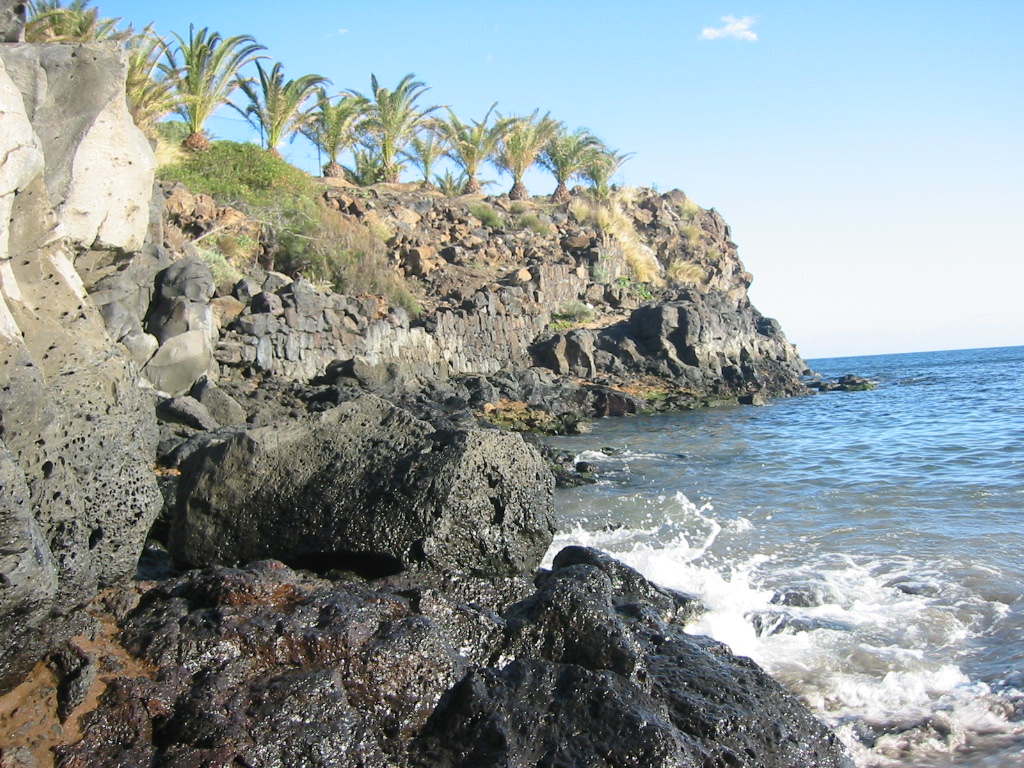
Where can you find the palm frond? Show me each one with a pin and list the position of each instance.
(276, 107)
(208, 66)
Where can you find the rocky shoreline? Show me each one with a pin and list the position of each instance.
(340, 539)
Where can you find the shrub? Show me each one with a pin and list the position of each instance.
(680, 271)
(487, 215)
(338, 250)
(238, 174)
(221, 268)
(571, 315)
(687, 210)
(693, 234)
(533, 223)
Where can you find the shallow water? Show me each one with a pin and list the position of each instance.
(864, 547)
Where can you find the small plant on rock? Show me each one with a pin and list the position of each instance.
(487, 215)
(684, 272)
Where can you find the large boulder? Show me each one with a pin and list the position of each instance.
(367, 487)
(597, 645)
(269, 666)
(79, 494)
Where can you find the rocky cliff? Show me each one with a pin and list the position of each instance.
(77, 432)
(345, 572)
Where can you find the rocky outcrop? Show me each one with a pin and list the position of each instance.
(78, 434)
(368, 488)
(268, 666)
(13, 15)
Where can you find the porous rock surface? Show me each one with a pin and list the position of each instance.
(367, 487)
(272, 667)
(78, 435)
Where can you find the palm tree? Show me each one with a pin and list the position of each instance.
(566, 156)
(151, 89)
(275, 107)
(450, 184)
(50, 21)
(208, 75)
(366, 168)
(471, 145)
(601, 168)
(521, 146)
(392, 120)
(425, 149)
(333, 127)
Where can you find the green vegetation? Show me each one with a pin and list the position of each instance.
(521, 146)
(451, 185)
(425, 150)
(327, 247)
(567, 156)
(391, 121)
(221, 267)
(206, 68)
(240, 174)
(487, 215)
(533, 222)
(50, 21)
(277, 108)
(150, 91)
(333, 127)
(195, 75)
(471, 145)
(572, 315)
(640, 290)
(601, 169)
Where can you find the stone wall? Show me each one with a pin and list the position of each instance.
(291, 329)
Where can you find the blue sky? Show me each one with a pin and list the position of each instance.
(869, 156)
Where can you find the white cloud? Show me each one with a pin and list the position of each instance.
(739, 29)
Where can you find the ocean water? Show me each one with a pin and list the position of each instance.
(866, 548)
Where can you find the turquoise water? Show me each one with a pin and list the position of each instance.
(864, 547)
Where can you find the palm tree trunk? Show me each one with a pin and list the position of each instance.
(196, 142)
(473, 186)
(518, 192)
(561, 194)
(334, 170)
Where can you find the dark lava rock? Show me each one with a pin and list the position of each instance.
(366, 487)
(599, 644)
(266, 666)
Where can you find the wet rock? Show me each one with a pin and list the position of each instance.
(537, 713)
(367, 487)
(599, 644)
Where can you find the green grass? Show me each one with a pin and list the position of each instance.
(239, 174)
(573, 314)
(487, 215)
(326, 247)
(534, 224)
